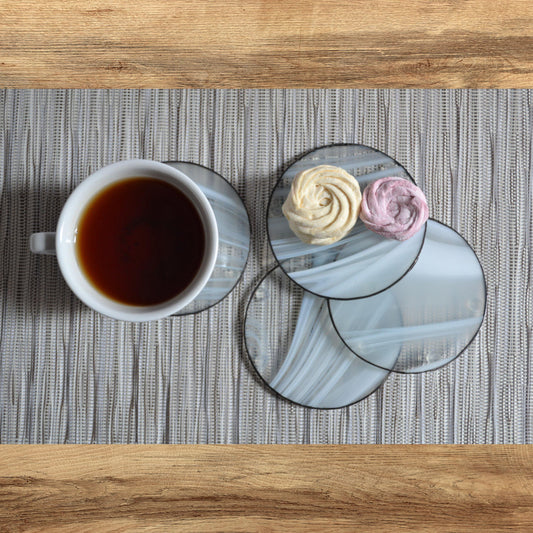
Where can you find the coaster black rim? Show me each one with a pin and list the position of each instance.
(280, 263)
(453, 358)
(278, 394)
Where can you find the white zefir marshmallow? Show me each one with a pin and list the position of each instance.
(323, 204)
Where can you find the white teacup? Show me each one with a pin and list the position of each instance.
(63, 241)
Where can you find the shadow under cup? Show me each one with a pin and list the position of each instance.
(98, 184)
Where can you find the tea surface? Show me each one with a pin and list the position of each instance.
(140, 241)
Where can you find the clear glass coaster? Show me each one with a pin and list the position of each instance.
(361, 264)
(233, 233)
(294, 348)
(428, 318)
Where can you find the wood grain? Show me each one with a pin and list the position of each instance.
(266, 43)
(245, 488)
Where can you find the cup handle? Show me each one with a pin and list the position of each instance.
(43, 243)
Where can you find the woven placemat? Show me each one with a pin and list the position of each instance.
(70, 375)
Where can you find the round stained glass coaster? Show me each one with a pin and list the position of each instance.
(428, 318)
(293, 346)
(233, 235)
(362, 263)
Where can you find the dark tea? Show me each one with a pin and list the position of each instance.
(140, 241)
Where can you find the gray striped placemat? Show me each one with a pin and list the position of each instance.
(70, 375)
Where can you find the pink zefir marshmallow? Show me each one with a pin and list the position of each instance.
(394, 207)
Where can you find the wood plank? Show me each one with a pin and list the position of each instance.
(244, 488)
(266, 43)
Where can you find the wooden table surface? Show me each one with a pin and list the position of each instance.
(246, 488)
(266, 43)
